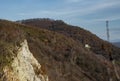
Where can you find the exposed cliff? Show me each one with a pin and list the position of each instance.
(24, 67)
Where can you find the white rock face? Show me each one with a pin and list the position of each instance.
(25, 66)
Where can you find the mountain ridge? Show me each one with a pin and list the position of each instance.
(98, 45)
(61, 57)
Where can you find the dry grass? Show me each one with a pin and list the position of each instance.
(54, 50)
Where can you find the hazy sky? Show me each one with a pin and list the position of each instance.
(88, 14)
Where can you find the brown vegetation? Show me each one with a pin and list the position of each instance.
(62, 57)
(98, 45)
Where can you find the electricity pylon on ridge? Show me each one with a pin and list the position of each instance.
(107, 28)
(110, 56)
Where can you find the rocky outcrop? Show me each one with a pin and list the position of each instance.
(24, 67)
(51, 54)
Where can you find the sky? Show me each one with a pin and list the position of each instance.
(88, 14)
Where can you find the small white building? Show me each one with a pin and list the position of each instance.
(87, 46)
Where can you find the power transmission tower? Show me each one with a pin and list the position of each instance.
(107, 28)
(110, 56)
(107, 32)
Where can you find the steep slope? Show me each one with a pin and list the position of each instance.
(98, 46)
(16, 61)
(60, 57)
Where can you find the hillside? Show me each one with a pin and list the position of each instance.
(98, 46)
(50, 56)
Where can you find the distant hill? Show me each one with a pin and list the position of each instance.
(31, 53)
(117, 44)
